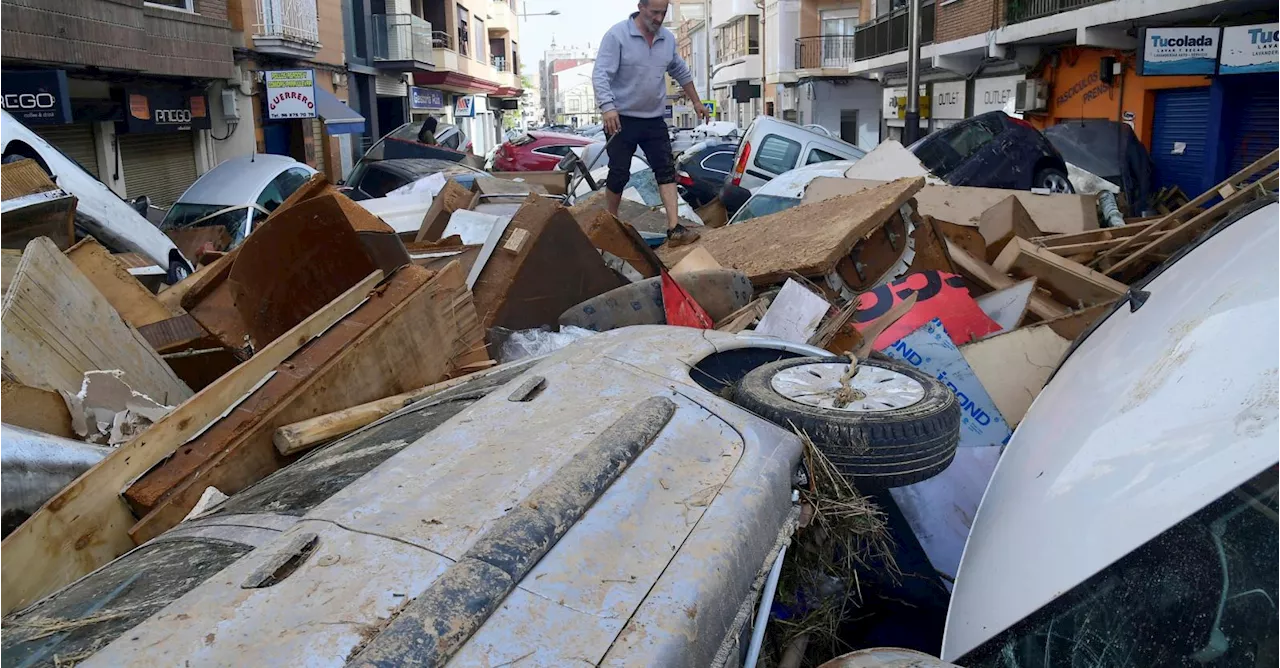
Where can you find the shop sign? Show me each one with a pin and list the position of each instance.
(890, 105)
(290, 94)
(464, 106)
(160, 110)
(1247, 49)
(947, 100)
(425, 98)
(38, 97)
(992, 94)
(1173, 51)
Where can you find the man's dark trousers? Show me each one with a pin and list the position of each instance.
(651, 135)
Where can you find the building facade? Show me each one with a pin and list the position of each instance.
(558, 59)
(576, 97)
(737, 75)
(127, 89)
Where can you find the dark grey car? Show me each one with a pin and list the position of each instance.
(994, 150)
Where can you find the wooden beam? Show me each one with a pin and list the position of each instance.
(1190, 208)
(1073, 324)
(984, 274)
(1103, 234)
(1090, 247)
(1070, 282)
(1185, 232)
(133, 301)
(304, 434)
(87, 524)
(57, 326)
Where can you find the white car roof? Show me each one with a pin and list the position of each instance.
(1156, 414)
(238, 180)
(794, 182)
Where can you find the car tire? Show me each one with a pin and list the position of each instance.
(905, 430)
(1053, 179)
(177, 271)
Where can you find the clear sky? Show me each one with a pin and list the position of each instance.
(579, 22)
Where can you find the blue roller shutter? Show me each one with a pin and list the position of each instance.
(1255, 131)
(1182, 117)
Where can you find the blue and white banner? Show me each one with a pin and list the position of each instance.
(1247, 49)
(1170, 51)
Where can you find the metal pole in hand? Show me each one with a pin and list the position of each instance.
(911, 131)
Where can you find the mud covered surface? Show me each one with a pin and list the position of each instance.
(94, 611)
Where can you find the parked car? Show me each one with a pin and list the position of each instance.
(785, 191)
(994, 150)
(1131, 520)
(703, 169)
(371, 523)
(1111, 150)
(238, 194)
(771, 146)
(535, 151)
(451, 144)
(376, 178)
(121, 226)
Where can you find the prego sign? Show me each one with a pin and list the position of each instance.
(36, 97)
(290, 94)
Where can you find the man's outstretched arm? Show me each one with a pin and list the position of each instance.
(679, 70)
(607, 61)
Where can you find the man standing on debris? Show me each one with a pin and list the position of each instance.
(632, 93)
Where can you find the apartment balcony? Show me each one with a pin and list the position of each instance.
(1017, 11)
(825, 52)
(287, 28)
(501, 17)
(887, 33)
(402, 42)
(463, 72)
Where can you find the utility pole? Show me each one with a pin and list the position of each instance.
(706, 28)
(911, 131)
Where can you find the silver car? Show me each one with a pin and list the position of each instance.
(237, 194)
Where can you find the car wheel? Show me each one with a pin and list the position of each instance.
(178, 270)
(901, 427)
(1054, 180)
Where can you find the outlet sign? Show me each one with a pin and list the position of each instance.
(1179, 51)
(993, 93)
(947, 101)
(37, 97)
(1248, 49)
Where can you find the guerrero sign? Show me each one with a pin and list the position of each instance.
(1247, 49)
(1179, 51)
(291, 94)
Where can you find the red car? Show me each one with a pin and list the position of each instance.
(535, 152)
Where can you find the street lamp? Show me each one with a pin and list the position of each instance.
(554, 12)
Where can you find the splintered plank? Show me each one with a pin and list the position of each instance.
(87, 524)
(1070, 282)
(131, 299)
(984, 274)
(415, 330)
(807, 240)
(57, 326)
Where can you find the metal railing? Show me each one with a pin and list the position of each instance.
(1017, 11)
(401, 38)
(290, 19)
(499, 63)
(824, 51)
(441, 40)
(887, 33)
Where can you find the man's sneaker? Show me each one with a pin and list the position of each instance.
(681, 235)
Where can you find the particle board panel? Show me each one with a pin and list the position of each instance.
(1071, 283)
(1014, 366)
(807, 240)
(57, 326)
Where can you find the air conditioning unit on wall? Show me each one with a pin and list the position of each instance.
(1031, 95)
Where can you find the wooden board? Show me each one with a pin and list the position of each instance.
(9, 260)
(134, 302)
(1003, 221)
(1102, 234)
(1070, 283)
(984, 274)
(392, 343)
(1013, 367)
(87, 524)
(450, 198)
(1071, 325)
(962, 205)
(33, 408)
(556, 182)
(931, 252)
(966, 237)
(1185, 211)
(1089, 248)
(57, 326)
(807, 240)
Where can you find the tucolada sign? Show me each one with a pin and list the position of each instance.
(1247, 49)
(1172, 51)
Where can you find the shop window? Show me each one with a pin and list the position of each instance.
(184, 5)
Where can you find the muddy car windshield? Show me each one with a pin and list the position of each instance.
(1202, 593)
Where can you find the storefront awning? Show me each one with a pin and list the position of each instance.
(339, 119)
